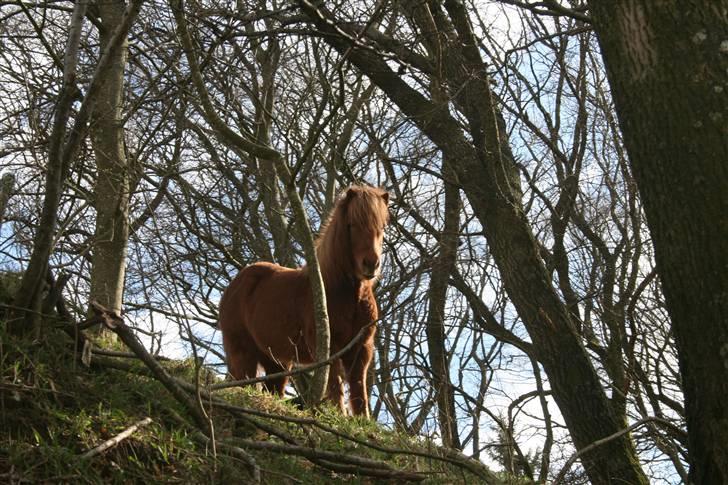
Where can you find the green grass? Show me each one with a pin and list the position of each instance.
(53, 409)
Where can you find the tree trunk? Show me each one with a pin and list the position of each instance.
(7, 185)
(267, 177)
(667, 64)
(111, 192)
(442, 267)
(31, 287)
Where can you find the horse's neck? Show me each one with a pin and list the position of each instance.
(338, 283)
(346, 285)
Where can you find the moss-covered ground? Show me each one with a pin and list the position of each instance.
(53, 409)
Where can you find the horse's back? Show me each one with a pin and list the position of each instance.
(263, 303)
(242, 289)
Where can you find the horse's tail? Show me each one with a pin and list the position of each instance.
(240, 349)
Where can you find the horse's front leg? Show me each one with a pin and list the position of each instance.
(357, 363)
(335, 389)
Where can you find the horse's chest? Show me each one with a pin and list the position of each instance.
(348, 316)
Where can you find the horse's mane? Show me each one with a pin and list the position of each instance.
(361, 205)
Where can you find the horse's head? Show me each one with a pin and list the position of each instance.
(350, 243)
(366, 216)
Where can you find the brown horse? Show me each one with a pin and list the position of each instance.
(267, 316)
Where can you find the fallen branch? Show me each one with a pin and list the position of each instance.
(116, 324)
(335, 461)
(356, 470)
(117, 439)
(125, 355)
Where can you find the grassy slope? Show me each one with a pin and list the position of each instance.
(53, 409)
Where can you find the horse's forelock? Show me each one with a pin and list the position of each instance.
(366, 207)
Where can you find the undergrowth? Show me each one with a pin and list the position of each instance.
(53, 409)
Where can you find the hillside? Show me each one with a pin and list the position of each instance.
(54, 409)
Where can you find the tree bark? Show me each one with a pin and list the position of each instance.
(111, 192)
(666, 64)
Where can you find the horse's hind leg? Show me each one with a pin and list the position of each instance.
(242, 365)
(271, 366)
(241, 354)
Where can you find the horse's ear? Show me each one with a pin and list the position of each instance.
(350, 194)
(385, 196)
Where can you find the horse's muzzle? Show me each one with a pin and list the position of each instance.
(369, 268)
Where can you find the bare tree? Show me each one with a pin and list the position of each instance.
(61, 154)
(489, 176)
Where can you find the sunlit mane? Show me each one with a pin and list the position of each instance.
(360, 205)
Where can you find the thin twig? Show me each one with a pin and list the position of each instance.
(607, 439)
(233, 451)
(116, 439)
(297, 370)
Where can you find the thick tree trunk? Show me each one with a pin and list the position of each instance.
(667, 65)
(111, 192)
(488, 174)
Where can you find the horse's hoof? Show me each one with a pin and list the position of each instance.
(297, 401)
